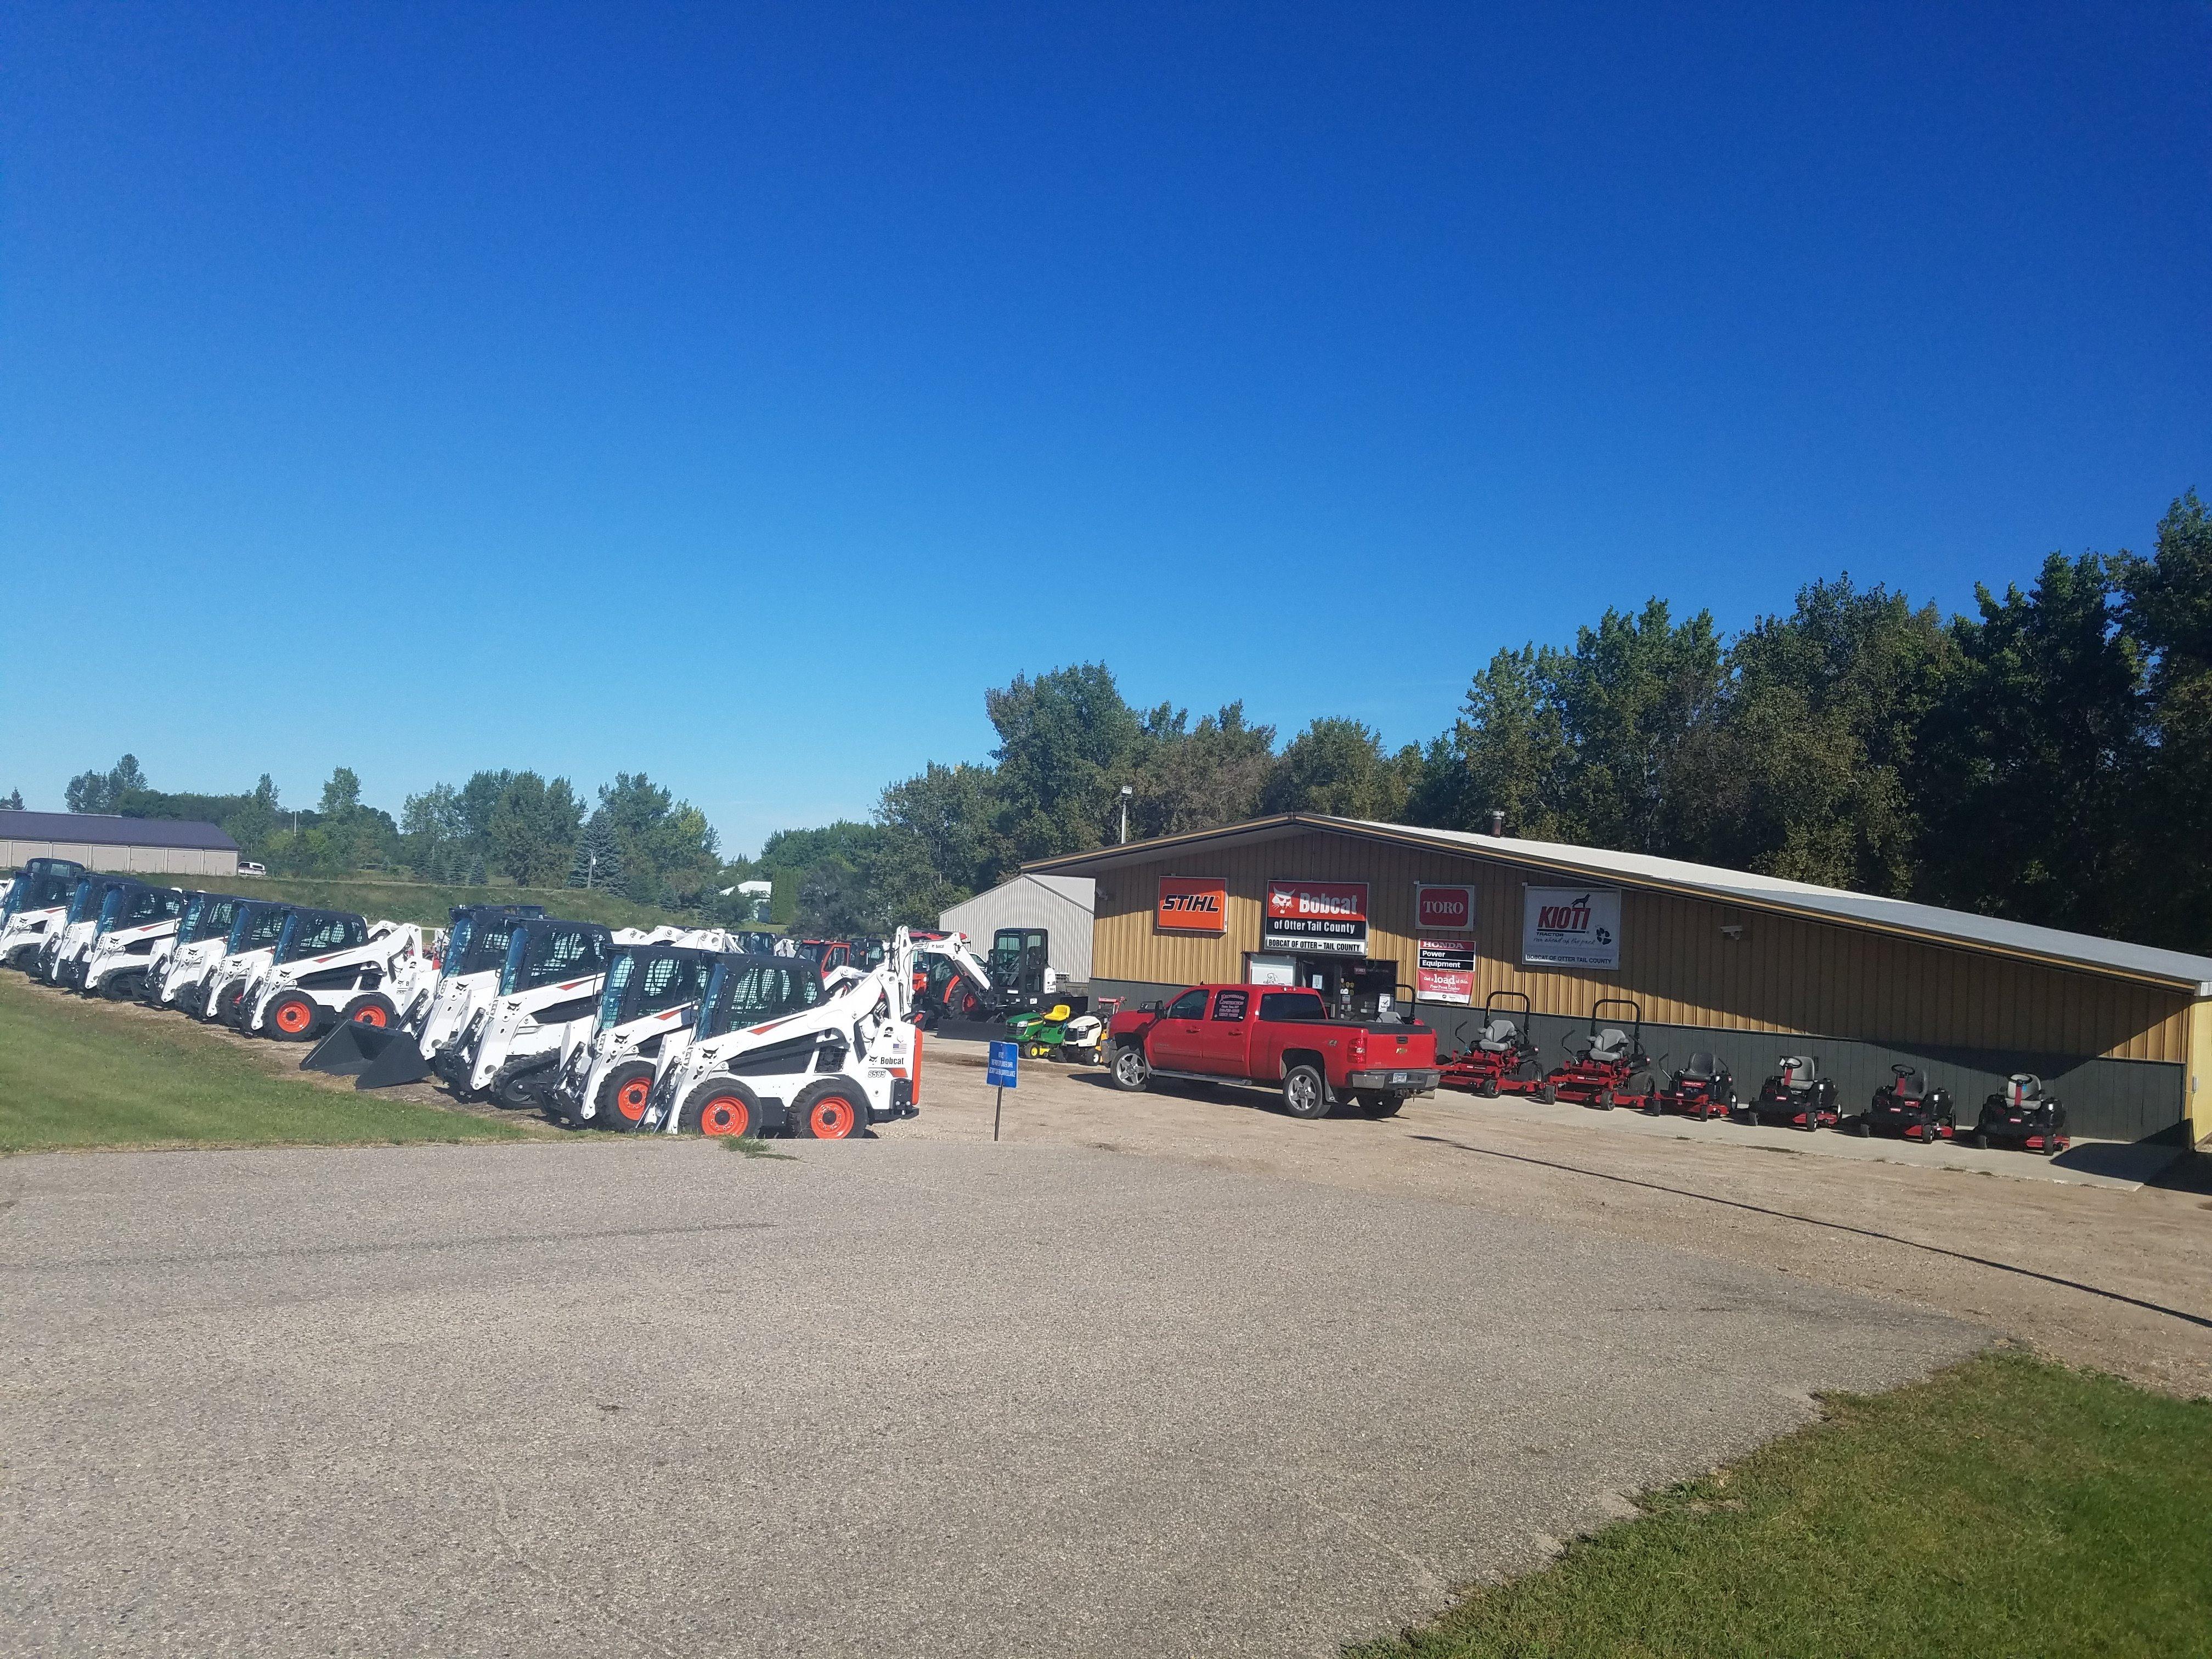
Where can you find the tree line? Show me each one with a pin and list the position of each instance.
(2043, 759)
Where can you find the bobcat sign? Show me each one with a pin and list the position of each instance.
(1571, 927)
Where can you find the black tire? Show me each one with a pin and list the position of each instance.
(1306, 1093)
(623, 1094)
(1377, 1107)
(721, 1107)
(1129, 1070)
(832, 1109)
(227, 1006)
(1602, 1100)
(292, 1018)
(1488, 1088)
(370, 1008)
(1981, 1141)
(123, 987)
(1548, 1094)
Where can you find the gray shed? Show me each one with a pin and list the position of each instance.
(102, 840)
(1062, 905)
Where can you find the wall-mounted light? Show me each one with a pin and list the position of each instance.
(1732, 931)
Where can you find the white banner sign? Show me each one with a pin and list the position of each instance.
(1570, 926)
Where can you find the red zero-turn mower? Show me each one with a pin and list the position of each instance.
(2020, 1115)
(1603, 1063)
(1797, 1096)
(1909, 1107)
(1704, 1088)
(1503, 1058)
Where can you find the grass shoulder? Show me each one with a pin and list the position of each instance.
(2007, 1506)
(80, 1074)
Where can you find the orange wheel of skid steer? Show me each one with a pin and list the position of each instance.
(372, 1009)
(723, 1110)
(291, 1019)
(371, 1016)
(831, 1111)
(630, 1098)
(623, 1096)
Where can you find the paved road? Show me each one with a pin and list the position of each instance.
(893, 1398)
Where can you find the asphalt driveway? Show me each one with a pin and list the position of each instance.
(895, 1397)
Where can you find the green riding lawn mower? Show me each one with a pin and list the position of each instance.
(1059, 1033)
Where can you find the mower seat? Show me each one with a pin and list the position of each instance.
(1611, 1045)
(2023, 1088)
(1910, 1085)
(1578, 1045)
(1498, 1037)
(1059, 1013)
(1796, 1074)
(1702, 1068)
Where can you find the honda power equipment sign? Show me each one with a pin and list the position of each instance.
(1570, 926)
(1316, 916)
(1192, 904)
(1445, 972)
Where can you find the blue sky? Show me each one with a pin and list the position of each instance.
(734, 393)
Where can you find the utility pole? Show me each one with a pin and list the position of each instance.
(1126, 793)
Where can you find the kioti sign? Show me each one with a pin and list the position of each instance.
(1192, 904)
(1329, 917)
(1442, 909)
(1570, 926)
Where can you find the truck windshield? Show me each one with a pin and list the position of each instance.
(746, 990)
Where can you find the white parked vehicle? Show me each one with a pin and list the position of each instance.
(825, 1070)
(62, 954)
(134, 921)
(331, 967)
(253, 935)
(180, 962)
(468, 973)
(549, 984)
(37, 899)
(648, 1006)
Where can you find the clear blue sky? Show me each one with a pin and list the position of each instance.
(735, 393)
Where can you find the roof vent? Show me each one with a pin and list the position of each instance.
(1496, 822)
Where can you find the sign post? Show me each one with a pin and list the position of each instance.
(1003, 1073)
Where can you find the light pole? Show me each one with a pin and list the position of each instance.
(1126, 793)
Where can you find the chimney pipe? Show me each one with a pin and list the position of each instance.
(1496, 822)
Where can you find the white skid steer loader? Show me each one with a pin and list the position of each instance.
(63, 955)
(253, 936)
(468, 974)
(826, 1071)
(134, 921)
(38, 900)
(549, 985)
(186, 956)
(648, 1006)
(332, 968)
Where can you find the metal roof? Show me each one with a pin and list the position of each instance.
(108, 829)
(1931, 922)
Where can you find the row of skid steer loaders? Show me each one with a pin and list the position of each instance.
(1607, 1066)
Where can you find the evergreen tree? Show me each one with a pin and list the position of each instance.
(599, 863)
(12, 802)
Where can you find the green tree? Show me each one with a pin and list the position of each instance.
(1338, 767)
(1199, 777)
(951, 814)
(597, 862)
(341, 795)
(2167, 613)
(534, 829)
(667, 846)
(12, 801)
(1631, 694)
(103, 792)
(1507, 752)
(1066, 745)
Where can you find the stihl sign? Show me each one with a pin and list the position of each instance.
(1438, 909)
(1192, 904)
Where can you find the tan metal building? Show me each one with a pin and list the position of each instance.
(1749, 966)
(101, 841)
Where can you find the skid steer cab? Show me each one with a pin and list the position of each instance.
(333, 966)
(648, 1007)
(134, 921)
(37, 899)
(468, 973)
(776, 1055)
(549, 982)
(186, 956)
(62, 954)
(253, 935)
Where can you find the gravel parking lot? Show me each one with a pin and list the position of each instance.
(908, 1396)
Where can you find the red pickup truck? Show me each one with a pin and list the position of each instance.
(1277, 1038)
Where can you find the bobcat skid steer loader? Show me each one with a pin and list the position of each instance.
(774, 1062)
(62, 954)
(550, 980)
(37, 901)
(330, 968)
(468, 975)
(133, 921)
(648, 1006)
(183, 959)
(253, 935)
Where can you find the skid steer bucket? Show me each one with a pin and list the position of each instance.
(373, 1056)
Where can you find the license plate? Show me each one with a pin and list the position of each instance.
(1397, 1077)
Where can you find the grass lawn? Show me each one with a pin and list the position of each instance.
(2008, 1506)
(79, 1074)
(428, 903)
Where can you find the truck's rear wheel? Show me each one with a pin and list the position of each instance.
(1130, 1069)
(831, 1111)
(623, 1096)
(721, 1108)
(1305, 1092)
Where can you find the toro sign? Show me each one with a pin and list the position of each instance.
(1192, 904)
(1438, 909)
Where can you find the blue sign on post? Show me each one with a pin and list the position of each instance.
(1005, 1068)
